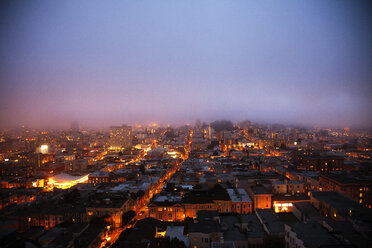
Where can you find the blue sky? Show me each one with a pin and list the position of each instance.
(113, 62)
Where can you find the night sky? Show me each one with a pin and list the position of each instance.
(111, 62)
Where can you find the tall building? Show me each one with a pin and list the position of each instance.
(74, 126)
(120, 137)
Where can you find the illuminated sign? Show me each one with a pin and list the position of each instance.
(282, 207)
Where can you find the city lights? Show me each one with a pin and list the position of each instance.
(186, 124)
(65, 181)
(44, 149)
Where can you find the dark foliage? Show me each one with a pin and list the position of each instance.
(71, 196)
(222, 125)
(128, 216)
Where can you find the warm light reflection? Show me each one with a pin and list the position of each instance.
(65, 185)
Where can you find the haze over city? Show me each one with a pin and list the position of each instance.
(185, 124)
(105, 63)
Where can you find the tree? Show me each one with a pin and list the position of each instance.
(140, 193)
(133, 195)
(229, 184)
(103, 220)
(128, 216)
(222, 125)
(169, 134)
(72, 196)
(274, 242)
(218, 187)
(170, 187)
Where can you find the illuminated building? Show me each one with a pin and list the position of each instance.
(335, 205)
(120, 137)
(283, 207)
(284, 202)
(65, 181)
(241, 203)
(290, 187)
(167, 208)
(50, 215)
(317, 161)
(176, 208)
(99, 177)
(261, 197)
(355, 187)
(109, 205)
(48, 220)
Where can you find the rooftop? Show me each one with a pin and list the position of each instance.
(206, 196)
(343, 204)
(260, 190)
(348, 179)
(313, 235)
(238, 195)
(270, 220)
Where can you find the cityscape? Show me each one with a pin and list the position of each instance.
(185, 124)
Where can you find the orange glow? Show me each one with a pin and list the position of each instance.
(65, 185)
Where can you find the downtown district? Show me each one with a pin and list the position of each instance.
(207, 185)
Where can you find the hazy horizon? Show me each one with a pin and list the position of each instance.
(110, 63)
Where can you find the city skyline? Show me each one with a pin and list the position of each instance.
(103, 64)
